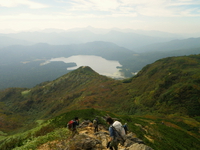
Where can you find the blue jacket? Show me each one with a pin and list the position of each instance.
(111, 131)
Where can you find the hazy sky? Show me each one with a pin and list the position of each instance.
(163, 15)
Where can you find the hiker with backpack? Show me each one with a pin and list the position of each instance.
(117, 133)
(72, 125)
(95, 124)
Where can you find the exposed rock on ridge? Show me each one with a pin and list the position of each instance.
(88, 140)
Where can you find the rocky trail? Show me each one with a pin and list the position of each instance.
(88, 140)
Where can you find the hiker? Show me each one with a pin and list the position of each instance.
(125, 128)
(95, 124)
(72, 125)
(112, 142)
(117, 133)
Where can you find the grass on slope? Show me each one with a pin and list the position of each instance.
(163, 133)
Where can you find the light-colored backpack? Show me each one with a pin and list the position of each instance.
(119, 132)
(95, 122)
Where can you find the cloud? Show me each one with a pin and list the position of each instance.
(150, 14)
(46, 17)
(15, 3)
(154, 8)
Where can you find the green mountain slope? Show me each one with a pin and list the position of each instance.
(169, 86)
(136, 62)
(158, 133)
(82, 88)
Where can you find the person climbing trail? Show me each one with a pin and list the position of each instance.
(72, 126)
(117, 133)
(95, 124)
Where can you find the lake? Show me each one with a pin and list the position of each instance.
(97, 63)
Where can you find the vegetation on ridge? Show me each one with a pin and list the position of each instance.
(158, 133)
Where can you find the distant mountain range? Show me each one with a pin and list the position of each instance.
(22, 53)
(8, 41)
(20, 65)
(152, 33)
(128, 40)
(172, 45)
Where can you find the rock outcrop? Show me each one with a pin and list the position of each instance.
(88, 140)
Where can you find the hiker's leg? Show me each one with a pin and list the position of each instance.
(114, 144)
(74, 132)
(116, 147)
(96, 129)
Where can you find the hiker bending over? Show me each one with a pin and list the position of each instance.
(95, 124)
(72, 125)
(113, 142)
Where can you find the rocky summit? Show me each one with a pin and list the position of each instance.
(87, 139)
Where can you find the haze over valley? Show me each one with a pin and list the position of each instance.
(23, 53)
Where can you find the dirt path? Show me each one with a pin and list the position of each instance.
(102, 135)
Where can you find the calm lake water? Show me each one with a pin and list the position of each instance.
(97, 63)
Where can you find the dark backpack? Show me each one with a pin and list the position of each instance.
(70, 124)
(118, 136)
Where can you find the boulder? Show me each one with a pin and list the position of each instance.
(80, 142)
(131, 139)
(84, 124)
(103, 136)
(138, 146)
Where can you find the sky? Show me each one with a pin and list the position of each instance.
(175, 16)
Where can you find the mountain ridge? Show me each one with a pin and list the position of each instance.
(84, 88)
(83, 36)
(172, 45)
